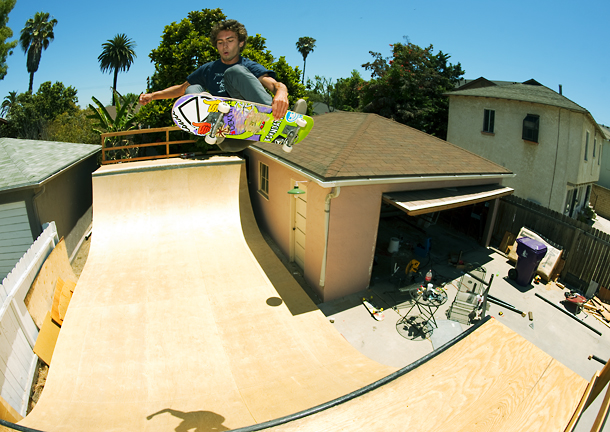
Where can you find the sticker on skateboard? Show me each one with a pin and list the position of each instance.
(375, 312)
(213, 117)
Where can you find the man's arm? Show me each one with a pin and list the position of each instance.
(168, 93)
(280, 100)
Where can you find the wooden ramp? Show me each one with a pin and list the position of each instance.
(184, 319)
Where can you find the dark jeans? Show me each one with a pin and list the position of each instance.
(239, 84)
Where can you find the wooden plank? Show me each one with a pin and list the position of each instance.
(66, 296)
(602, 415)
(39, 299)
(8, 413)
(581, 405)
(59, 286)
(47, 338)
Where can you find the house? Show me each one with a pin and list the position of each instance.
(40, 182)
(600, 197)
(348, 166)
(604, 173)
(553, 145)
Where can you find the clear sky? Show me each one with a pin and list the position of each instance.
(554, 42)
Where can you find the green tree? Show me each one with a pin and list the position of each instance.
(409, 87)
(36, 37)
(6, 48)
(321, 90)
(347, 91)
(29, 114)
(74, 127)
(54, 100)
(305, 45)
(186, 45)
(117, 55)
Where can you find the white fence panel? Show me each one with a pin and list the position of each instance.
(18, 332)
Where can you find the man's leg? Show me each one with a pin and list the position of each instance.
(194, 89)
(240, 83)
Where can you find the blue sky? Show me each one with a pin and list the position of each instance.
(554, 42)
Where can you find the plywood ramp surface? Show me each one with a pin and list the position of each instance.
(173, 319)
(494, 380)
(175, 324)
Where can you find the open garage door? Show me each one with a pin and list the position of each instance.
(420, 202)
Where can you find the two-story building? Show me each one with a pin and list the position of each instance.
(553, 145)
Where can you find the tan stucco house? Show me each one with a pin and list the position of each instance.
(553, 145)
(349, 165)
(40, 182)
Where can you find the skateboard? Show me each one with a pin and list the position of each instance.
(210, 116)
(376, 313)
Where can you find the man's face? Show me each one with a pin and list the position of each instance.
(228, 46)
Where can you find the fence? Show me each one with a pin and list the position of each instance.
(586, 250)
(122, 153)
(18, 332)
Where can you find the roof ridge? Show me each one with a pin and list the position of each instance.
(350, 145)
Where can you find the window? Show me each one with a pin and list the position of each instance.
(587, 146)
(488, 121)
(263, 180)
(594, 146)
(531, 124)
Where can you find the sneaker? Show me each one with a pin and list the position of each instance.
(300, 107)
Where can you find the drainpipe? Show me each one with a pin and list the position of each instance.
(334, 194)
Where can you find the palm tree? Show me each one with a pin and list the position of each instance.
(36, 37)
(305, 45)
(7, 103)
(117, 55)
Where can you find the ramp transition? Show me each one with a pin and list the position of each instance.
(176, 324)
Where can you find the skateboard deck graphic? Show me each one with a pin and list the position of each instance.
(211, 116)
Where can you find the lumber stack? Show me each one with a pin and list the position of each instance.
(599, 310)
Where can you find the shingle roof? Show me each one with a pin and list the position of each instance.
(28, 162)
(345, 145)
(521, 92)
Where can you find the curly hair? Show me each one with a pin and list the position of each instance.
(230, 25)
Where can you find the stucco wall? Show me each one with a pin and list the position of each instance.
(353, 224)
(604, 173)
(542, 170)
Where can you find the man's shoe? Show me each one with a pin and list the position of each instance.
(300, 107)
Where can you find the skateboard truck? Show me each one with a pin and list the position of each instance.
(292, 134)
(223, 108)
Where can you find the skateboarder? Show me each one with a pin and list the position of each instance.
(232, 76)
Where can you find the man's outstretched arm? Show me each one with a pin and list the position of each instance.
(168, 93)
(280, 100)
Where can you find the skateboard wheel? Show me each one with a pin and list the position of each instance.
(224, 107)
(287, 148)
(210, 139)
(301, 122)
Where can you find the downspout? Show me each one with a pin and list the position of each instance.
(334, 194)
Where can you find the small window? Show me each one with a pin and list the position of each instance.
(263, 180)
(531, 124)
(488, 121)
(587, 146)
(594, 146)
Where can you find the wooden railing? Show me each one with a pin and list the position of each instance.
(166, 144)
